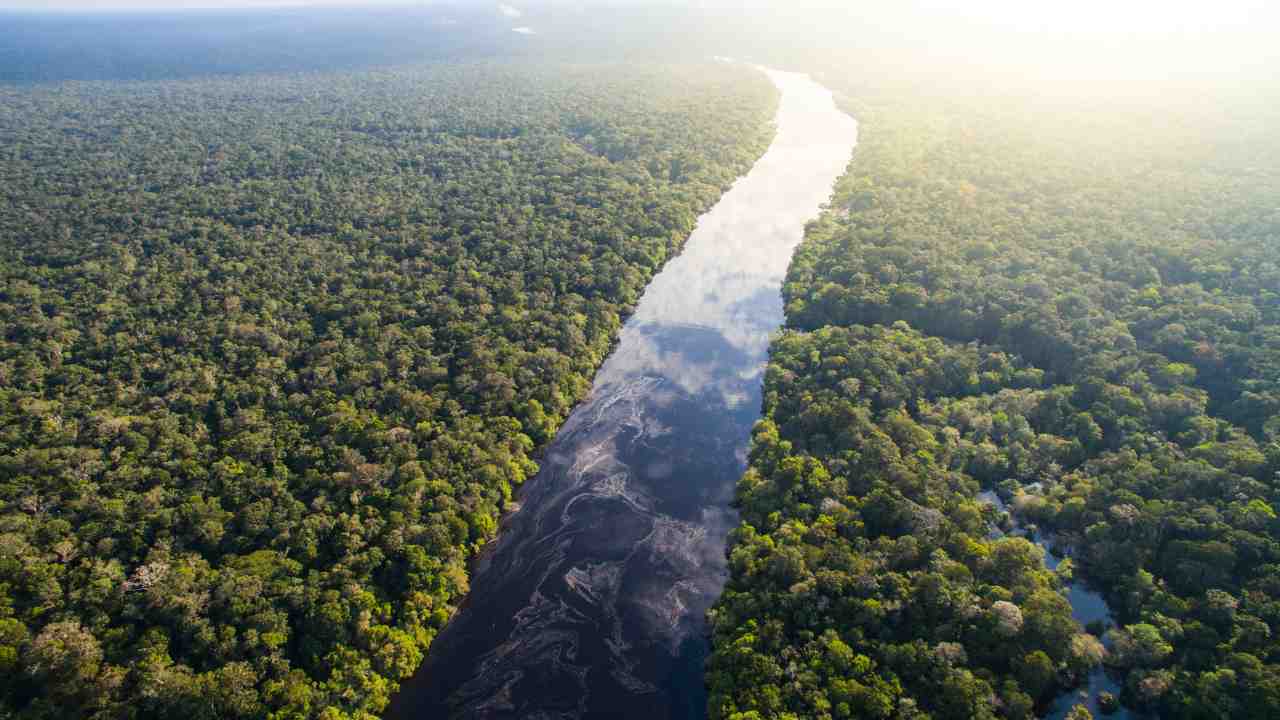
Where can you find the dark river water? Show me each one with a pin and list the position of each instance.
(591, 602)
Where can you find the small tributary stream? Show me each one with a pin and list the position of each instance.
(591, 603)
(1087, 606)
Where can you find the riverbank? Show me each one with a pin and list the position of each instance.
(592, 600)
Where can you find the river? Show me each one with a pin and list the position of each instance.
(591, 602)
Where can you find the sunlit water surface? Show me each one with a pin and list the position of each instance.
(591, 603)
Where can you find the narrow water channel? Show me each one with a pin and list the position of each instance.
(591, 602)
(1087, 607)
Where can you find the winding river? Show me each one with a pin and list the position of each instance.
(591, 602)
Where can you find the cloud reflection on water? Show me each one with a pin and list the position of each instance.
(603, 578)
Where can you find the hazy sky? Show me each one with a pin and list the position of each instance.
(1079, 15)
(1081, 23)
(188, 4)
(1149, 44)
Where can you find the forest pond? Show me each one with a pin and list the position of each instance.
(1087, 606)
(591, 602)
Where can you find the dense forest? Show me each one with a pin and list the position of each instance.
(275, 352)
(1077, 308)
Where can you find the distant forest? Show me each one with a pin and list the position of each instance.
(158, 45)
(276, 350)
(1075, 307)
